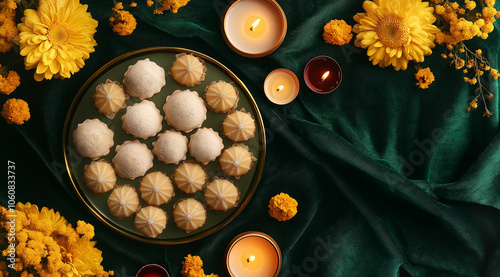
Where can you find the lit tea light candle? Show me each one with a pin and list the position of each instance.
(322, 74)
(281, 86)
(152, 270)
(253, 254)
(254, 28)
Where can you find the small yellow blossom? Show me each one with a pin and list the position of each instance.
(133, 4)
(487, 113)
(473, 103)
(494, 73)
(149, 3)
(282, 207)
(479, 51)
(455, 5)
(444, 56)
(337, 32)
(470, 5)
(10, 82)
(123, 23)
(425, 77)
(118, 6)
(15, 111)
(8, 29)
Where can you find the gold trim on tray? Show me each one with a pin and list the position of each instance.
(189, 238)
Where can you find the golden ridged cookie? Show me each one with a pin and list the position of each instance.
(156, 188)
(99, 176)
(221, 96)
(205, 145)
(236, 160)
(144, 79)
(189, 214)
(190, 177)
(188, 70)
(123, 201)
(221, 195)
(150, 221)
(109, 98)
(239, 126)
(93, 139)
(185, 110)
(132, 159)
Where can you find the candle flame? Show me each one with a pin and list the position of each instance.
(325, 76)
(254, 25)
(251, 259)
(280, 88)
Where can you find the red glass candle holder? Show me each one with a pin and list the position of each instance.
(322, 74)
(152, 270)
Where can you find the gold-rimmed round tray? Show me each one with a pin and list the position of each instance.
(83, 108)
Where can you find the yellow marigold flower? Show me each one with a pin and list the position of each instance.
(192, 266)
(337, 32)
(57, 38)
(488, 28)
(484, 35)
(8, 29)
(123, 23)
(45, 250)
(425, 77)
(15, 111)
(489, 3)
(173, 5)
(454, 5)
(470, 5)
(461, 11)
(10, 82)
(282, 207)
(396, 31)
(85, 229)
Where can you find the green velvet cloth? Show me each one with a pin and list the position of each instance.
(391, 180)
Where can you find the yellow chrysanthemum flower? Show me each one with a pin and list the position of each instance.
(56, 38)
(396, 31)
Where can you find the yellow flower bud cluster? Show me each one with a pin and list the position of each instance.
(123, 22)
(47, 245)
(475, 65)
(8, 29)
(192, 266)
(462, 28)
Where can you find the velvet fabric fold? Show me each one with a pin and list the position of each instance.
(391, 180)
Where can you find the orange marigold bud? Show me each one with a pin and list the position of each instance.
(337, 32)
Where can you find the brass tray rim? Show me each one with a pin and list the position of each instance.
(255, 179)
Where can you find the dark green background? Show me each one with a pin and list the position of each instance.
(391, 180)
